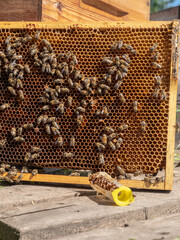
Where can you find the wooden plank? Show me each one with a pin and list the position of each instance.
(172, 108)
(20, 10)
(95, 10)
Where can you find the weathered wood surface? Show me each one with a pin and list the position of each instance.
(20, 10)
(94, 10)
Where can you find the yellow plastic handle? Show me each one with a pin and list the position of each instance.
(122, 196)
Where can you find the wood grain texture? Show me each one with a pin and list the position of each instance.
(94, 10)
(20, 10)
(172, 106)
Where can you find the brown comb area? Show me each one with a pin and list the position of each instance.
(139, 151)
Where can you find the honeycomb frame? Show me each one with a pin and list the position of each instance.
(166, 31)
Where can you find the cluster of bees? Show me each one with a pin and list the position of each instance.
(68, 78)
(103, 182)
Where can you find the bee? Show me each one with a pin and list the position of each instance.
(155, 56)
(105, 111)
(128, 176)
(55, 131)
(84, 103)
(27, 157)
(59, 142)
(58, 81)
(16, 45)
(48, 129)
(119, 142)
(93, 81)
(126, 58)
(143, 126)
(28, 126)
(21, 95)
(2, 143)
(104, 139)
(7, 166)
(112, 70)
(74, 59)
(121, 171)
(26, 68)
(36, 35)
(163, 95)
(104, 86)
(117, 85)
(78, 86)
(4, 106)
(65, 71)
(130, 48)
(19, 139)
(135, 106)
(19, 84)
(60, 108)
(158, 80)
(159, 179)
(2, 165)
(39, 120)
(107, 60)
(54, 63)
(122, 99)
(156, 93)
(37, 64)
(8, 39)
(16, 57)
(100, 146)
(12, 90)
(84, 92)
(26, 39)
(111, 145)
(70, 83)
(87, 82)
(24, 169)
(51, 119)
(35, 149)
(109, 130)
(34, 172)
(137, 173)
(19, 178)
(122, 127)
(19, 131)
(112, 136)
(45, 108)
(177, 126)
(72, 142)
(81, 109)
(9, 180)
(34, 156)
(54, 102)
(68, 155)
(48, 45)
(98, 112)
(65, 90)
(124, 68)
(2, 55)
(153, 48)
(79, 120)
(33, 50)
(2, 170)
(157, 65)
(101, 158)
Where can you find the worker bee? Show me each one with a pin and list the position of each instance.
(84, 92)
(109, 130)
(13, 132)
(65, 70)
(27, 157)
(79, 119)
(34, 172)
(8, 39)
(118, 84)
(128, 176)
(78, 75)
(112, 70)
(157, 65)
(19, 84)
(104, 86)
(48, 129)
(68, 155)
(26, 68)
(101, 158)
(100, 146)
(111, 145)
(112, 136)
(72, 141)
(45, 108)
(54, 102)
(19, 178)
(24, 169)
(9, 180)
(55, 131)
(130, 48)
(81, 109)
(84, 103)
(34, 156)
(39, 120)
(21, 95)
(155, 56)
(33, 50)
(104, 139)
(135, 106)
(2, 55)
(19, 131)
(122, 127)
(121, 97)
(143, 126)
(153, 48)
(65, 90)
(48, 45)
(2, 143)
(19, 139)
(156, 93)
(16, 45)
(98, 112)
(119, 142)
(28, 126)
(26, 39)
(108, 79)
(107, 60)
(120, 170)
(2, 170)
(177, 126)
(11, 81)
(99, 90)
(54, 124)
(126, 58)
(51, 119)
(35, 149)
(137, 173)
(78, 86)
(60, 108)
(4, 106)
(158, 80)
(159, 179)
(163, 95)
(70, 83)
(58, 81)
(105, 111)
(93, 81)
(59, 142)
(11, 90)
(124, 68)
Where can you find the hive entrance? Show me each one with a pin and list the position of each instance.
(139, 151)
